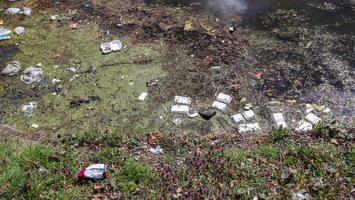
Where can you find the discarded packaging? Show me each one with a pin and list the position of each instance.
(157, 150)
(180, 109)
(112, 46)
(29, 108)
(193, 115)
(142, 96)
(182, 100)
(237, 118)
(249, 115)
(207, 114)
(35, 126)
(19, 30)
(4, 31)
(93, 172)
(312, 118)
(177, 121)
(12, 68)
(31, 75)
(248, 127)
(26, 11)
(304, 126)
(219, 105)
(224, 98)
(13, 11)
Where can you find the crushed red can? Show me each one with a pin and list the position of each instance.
(93, 172)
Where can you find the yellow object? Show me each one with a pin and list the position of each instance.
(1, 22)
(188, 26)
(208, 29)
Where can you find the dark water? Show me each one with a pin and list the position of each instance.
(341, 19)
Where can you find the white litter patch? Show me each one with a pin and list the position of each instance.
(36, 126)
(193, 115)
(219, 105)
(237, 118)
(180, 109)
(304, 126)
(182, 100)
(224, 98)
(278, 120)
(249, 115)
(312, 118)
(142, 96)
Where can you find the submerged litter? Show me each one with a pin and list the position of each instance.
(29, 108)
(19, 30)
(4, 33)
(12, 68)
(112, 46)
(93, 172)
(32, 75)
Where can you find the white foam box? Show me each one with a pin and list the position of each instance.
(224, 98)
(237, 118)
(219, 105)
(180, 109)
(142, 96)
(249, 115)
(248, 127)
(312, 118)
(277, 118)
(304, 126)
(182, 100)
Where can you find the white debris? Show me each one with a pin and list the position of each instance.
(29, 108)
(304, 126)
(19, 30)
(36, 126)
(105, 48)
(73, 69)
(12, 68)
(248, 106)
(116, 45)
(302, 195)
(13, 11)
(53, 17)
(182, 100)
(96, 171)
(26, 11)
(312, 118)
(237, 118)
(112, 46)
(31, 75)
(248, 127)
(142, 96)
(39, 65)
(219, 105)
(249, 115)
(177, 121)
(157, 150)
(224, 98)
(55, 81)
(278, 120)
(216, 68)
(326, 110)
(193, 115)
(180, 109)
(277, 117)
(4, 31)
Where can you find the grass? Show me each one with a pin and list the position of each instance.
(272, 170)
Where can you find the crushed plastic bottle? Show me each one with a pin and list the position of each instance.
(93, 172)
